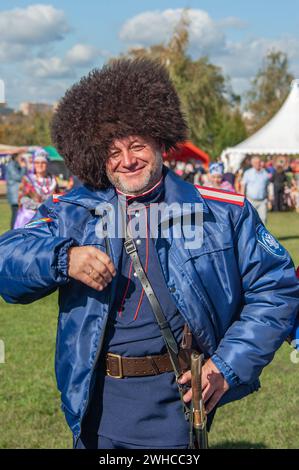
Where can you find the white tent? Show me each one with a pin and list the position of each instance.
(280, 136)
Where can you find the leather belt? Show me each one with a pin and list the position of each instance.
(121, 366)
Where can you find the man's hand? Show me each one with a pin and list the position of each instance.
(214, 385)
(90, 266)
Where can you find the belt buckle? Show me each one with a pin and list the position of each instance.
(118, 357)
(130, 246)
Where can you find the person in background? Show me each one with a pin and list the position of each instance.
(180, 168)
(255, 187)
(35, 189)
(279, 180)
(230, 177)
(216, 171)
(269, 167)
(199, 173)
(15, 171)
(28, 158)
(270, 170)
(189, 173)
(238, 180)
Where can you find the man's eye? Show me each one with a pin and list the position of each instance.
(114, 154)
(138, 147)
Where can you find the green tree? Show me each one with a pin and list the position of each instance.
(17, 129)
(206, 96)
(269, 89)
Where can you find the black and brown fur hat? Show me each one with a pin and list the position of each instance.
(125, 97)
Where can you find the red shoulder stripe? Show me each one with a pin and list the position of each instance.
(220, 195)
(56, 196)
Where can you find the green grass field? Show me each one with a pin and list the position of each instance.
(30, 415)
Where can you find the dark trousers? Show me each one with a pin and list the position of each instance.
(100, 442)
(14, 211)
(94, 441)
(278, 204)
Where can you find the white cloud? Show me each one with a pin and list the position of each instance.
(152, 27)
(27, 36)
(243, 59)
(82, 55)
(34, 25)
(79, 56)
(12, 52)
(35, 90)
(53, 67)
(232, 22)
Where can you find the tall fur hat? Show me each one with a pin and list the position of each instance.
(126, 97)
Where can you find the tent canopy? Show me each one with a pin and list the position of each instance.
(280, 136)
(53, 154)
(188, 151)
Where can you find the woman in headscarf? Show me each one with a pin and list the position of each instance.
(35, 188)
(216, 171)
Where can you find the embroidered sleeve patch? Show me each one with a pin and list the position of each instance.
(268, 242)
(39, 222)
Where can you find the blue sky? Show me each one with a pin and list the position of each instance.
(45, 46)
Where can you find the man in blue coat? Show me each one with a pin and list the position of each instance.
(208, 258)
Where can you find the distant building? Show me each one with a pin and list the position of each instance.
(4, 110)
(28, 109)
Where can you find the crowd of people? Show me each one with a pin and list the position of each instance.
(29, 184)
(268, 185)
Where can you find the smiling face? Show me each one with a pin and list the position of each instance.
(216, 179)
(134, 164)
(40, 167)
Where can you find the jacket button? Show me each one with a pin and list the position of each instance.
(138, 241)
(172, 289)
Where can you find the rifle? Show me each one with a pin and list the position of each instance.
(198, 417)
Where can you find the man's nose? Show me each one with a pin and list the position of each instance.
(129, 159)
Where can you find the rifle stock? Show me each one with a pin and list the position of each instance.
(198, 421)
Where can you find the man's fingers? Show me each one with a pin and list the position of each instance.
(104, 258)
(188, 396)
(186, 377)
(207, 393)
(204, 380)
(92, 262)
(100, 270)
(90, 282)
(97, 277)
